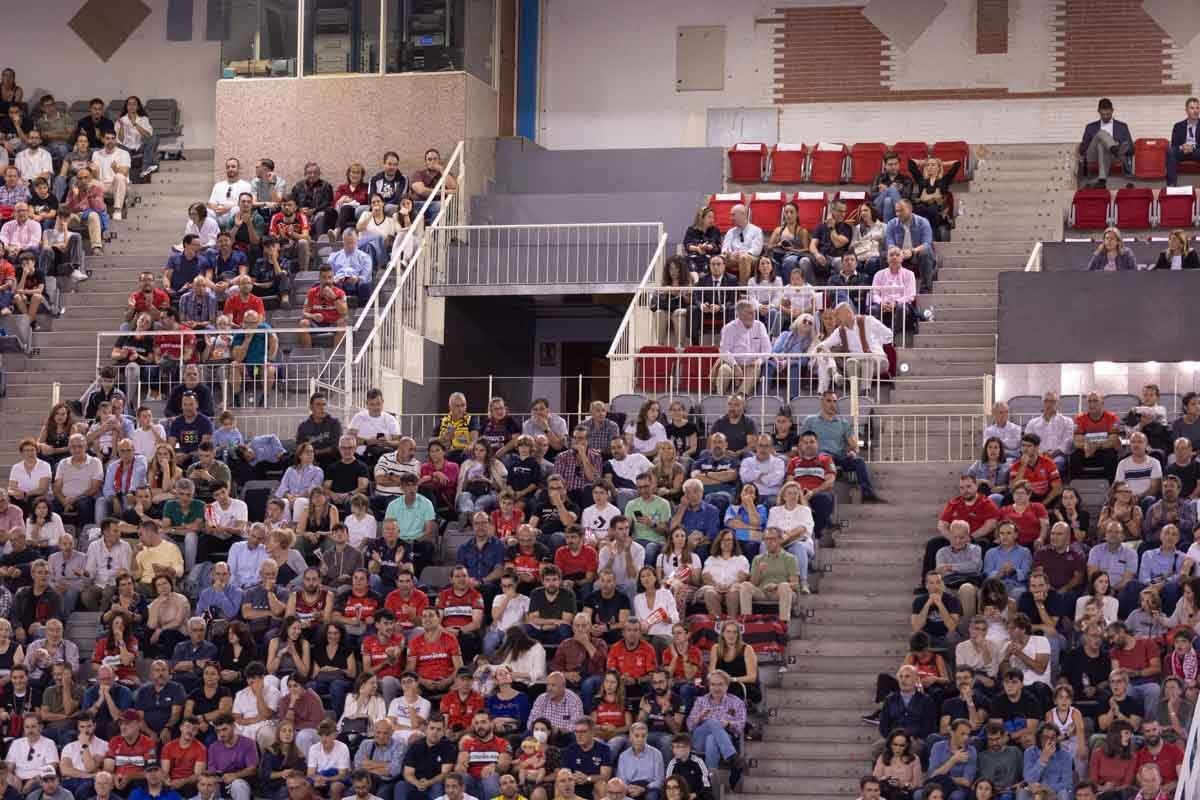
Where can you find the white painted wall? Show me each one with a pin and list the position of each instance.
(47, 54)
(607, 79)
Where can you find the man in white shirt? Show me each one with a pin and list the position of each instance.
(35, 161)
(1056, 431)
(77, 482)
(743, 243)
(224, 196)
(894, 293)
(1141, 471)
(745, 345)
(112, 171)
(79, 765)
(861, 335)
(246, 557)
(376, 430)
(1004, 429)
(765, 470)
(254, 707)
(30, 754)
(107, 557)
(623, 469)
(329, 761)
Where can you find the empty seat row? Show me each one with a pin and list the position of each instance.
(766, 208)
(834, 162)
(1134, 209)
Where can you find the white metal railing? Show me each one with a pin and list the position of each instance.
(392, 324)
(1187, 786)
(1034, 264)
(592, 254)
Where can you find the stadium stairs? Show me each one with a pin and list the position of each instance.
(815, 743)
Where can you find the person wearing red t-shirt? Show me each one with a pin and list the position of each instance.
(1030, 518)
(1096, 441)
(290, 226)
(1142, 661)
(356, 611)
(1167, 756)
(171, 351)
(1038, 470)
(434, 655)
(148, 299)
(815, 472)
(184, 759)
(632, 657)
(460, 705)
(973, 508)
(406, 602)
(383, 655)
(578, 563)
(129, 752)
(242, 299)
(484, 757)
(462, 612)
(324, 306)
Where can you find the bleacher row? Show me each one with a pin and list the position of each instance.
(164, 115)
(833, 163)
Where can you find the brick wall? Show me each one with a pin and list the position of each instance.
(1112, 47)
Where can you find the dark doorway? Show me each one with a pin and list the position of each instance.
(589, 359)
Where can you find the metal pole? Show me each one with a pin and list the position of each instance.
(348, 342)
(55, 393)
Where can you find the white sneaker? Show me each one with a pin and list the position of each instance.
(804, 588)
(118, 216)
(150, 170)
(79, 276)
(782, 669)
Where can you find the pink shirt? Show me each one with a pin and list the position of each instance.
(26, 236)
(93, 199)
(899, 288)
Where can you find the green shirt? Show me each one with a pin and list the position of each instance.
(411, 519)
(655, 511)
(831, 433)
(175, 514)
(780, 568)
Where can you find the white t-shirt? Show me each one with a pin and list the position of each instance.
(399, 710)
(29, 761)
(514, 612)
(658, 435)
(77, 479)
(207, 232)
(1037, 645)
(144, 441)
(666, 565)
(225, 193)
(105, 162)
(663, 599)
(798, 517)
(130, 136)
(28, 481)
(31, 164)
(367, 427)
(226, 517)
(617, 565)
(337, 758)
(632, 465)
(726, 571)
(245, 704)
(595, 521)
(1139, 476)
(360, 530)
(73, 752)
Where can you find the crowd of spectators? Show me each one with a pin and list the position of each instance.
(1052, 645)
(314, 638)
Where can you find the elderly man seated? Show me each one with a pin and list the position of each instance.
(894, 294)
(914, 236)
(743, 243)
(745, 344)
(862, 338)
(352, 268)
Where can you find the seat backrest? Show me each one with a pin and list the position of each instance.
(762, 407)
(853, 200)
(1120, 404)
(78, 109)
(810, 207)
(1090, 209)
(1176, 206)
(722, 205)
(116, 109)
(866, 161)
(1134, 207)
(746, 162)
(787, 163)
(804, 407)
(713, 406)
(1172, 403)
(1025, 405)
(766, 209)
(164, 115)
(436, 576)
(627, 404)
(1069, 405)
(826, 162)
(955, 151)
(917, 151)
(1150, 158)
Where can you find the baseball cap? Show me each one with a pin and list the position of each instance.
(49, 772)
(151, 763)
(131, 716)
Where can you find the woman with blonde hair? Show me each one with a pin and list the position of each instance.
(1112, 255)
(1179, 254)
(162, 474)
(931, 192)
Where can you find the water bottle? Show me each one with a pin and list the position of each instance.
(927, 314)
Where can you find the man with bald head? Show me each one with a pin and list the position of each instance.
(743, 244)
(860, 336)
(160, 703)
(1097, 441)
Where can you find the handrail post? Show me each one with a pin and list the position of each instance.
(854, 401)
(55, 393)
(348, 355)
(989, 393)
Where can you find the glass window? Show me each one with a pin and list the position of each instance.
(341, 36)
(441, 35)
(258, 37)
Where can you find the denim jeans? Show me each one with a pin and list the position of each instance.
(855, 464)
(713, 740)
(804, 551)
(885, 203)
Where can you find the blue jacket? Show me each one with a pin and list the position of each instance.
(918, 718)
(922, 233)
(1057, 774)
(1125, 262)
(480, 563)
(1179, 134)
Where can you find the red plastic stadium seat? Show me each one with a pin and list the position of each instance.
(866, 161)
(766, 209)
(746, 161)
(652, 371)
(1089, 209)
(694, 371)
(810, 207)
(787, 163)
(827, 162)
(955, 151)
(917, 151)
(1150, 158)
(1176, 206)
(722, 206)
(852, 199)
(1135, 208)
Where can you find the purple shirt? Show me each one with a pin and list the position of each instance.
(222, 758)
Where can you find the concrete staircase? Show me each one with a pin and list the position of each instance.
(815, 744)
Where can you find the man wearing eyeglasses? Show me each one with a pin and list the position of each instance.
(224, 196)
(106, 557)
(31, 755)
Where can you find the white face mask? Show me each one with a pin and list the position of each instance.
(541, 736)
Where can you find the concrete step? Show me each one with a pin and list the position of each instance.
(799, 752)
(981, 236)
(942, 340)
(979, 287)
(936, 395)
(841, 559)
(1010, 248)
(879, 616)
(983, 310)
(975, 355)
(825, 700)
(975, 273)
(857, 601)
(946, 300)
(825, 787)
(814, 766)
(845, 788)
(845, 730)
(939, 326)
(855, 633)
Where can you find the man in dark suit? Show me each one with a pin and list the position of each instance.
(1106, 139)
(1184, 137)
